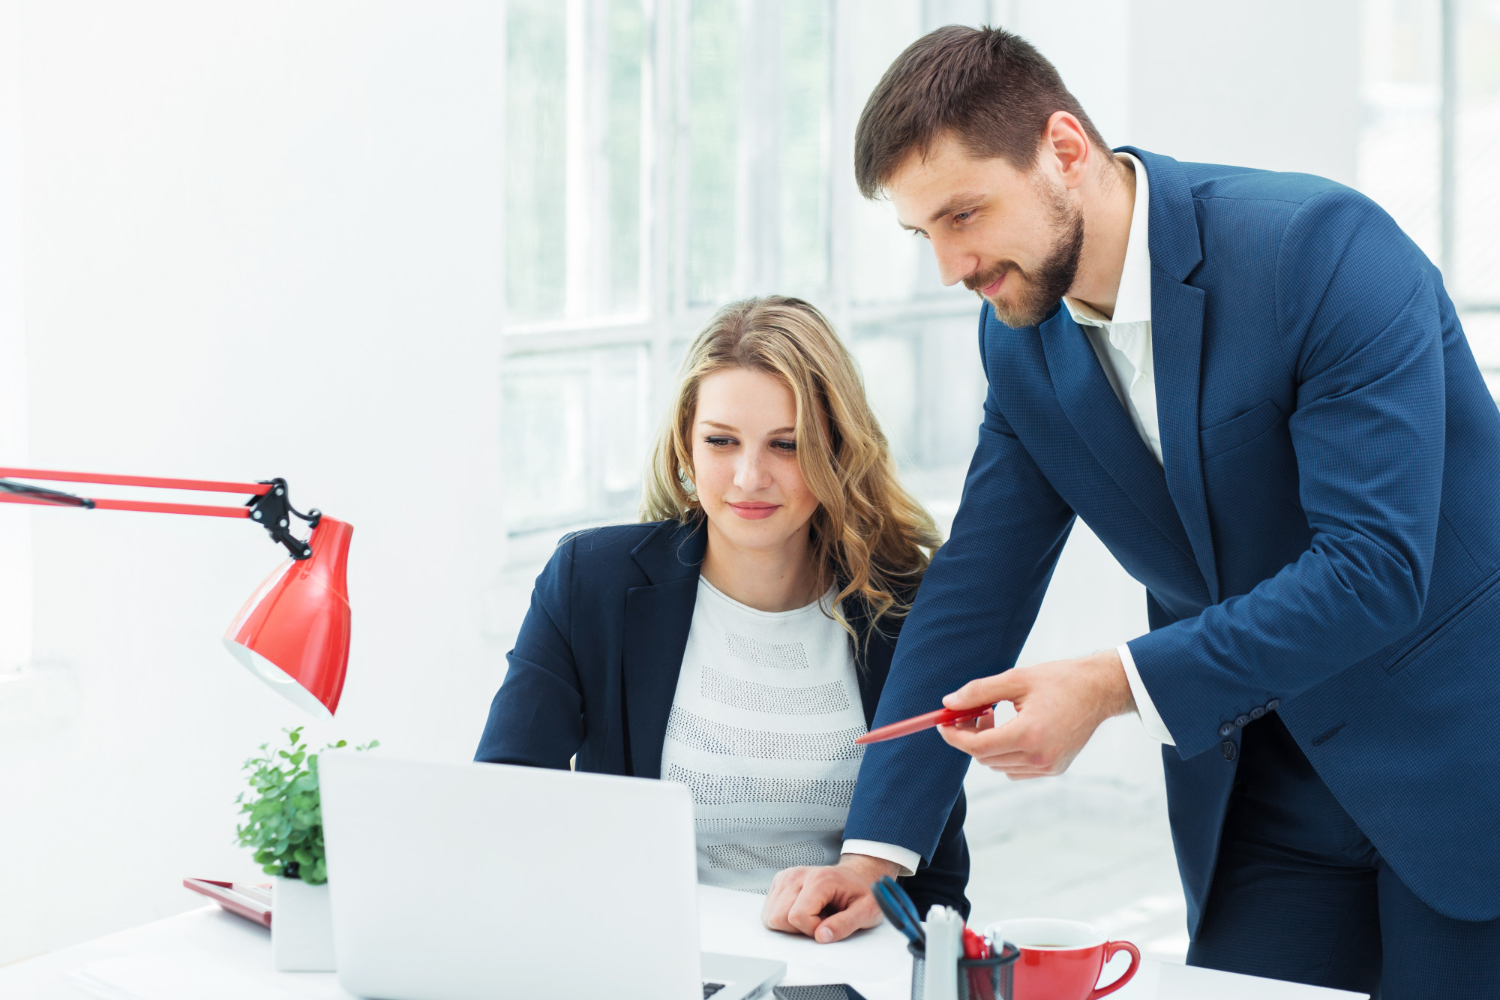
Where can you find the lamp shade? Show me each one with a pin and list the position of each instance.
(293, 633)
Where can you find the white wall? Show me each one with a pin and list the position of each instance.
(1273, 84)
(1089, 41)
(259, 240)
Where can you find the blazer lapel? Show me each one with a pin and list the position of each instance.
(1096, 414)
(873, 649)
(657, 620)
(1177, 346)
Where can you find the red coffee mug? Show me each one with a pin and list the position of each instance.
(1061, 959)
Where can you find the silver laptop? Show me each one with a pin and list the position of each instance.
(478, 881)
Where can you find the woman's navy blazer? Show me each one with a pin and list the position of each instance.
(595, 666)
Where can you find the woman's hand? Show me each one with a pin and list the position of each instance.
(827, 903)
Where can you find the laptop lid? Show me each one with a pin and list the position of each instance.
(475, 881)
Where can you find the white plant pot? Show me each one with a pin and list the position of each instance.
(301, 927)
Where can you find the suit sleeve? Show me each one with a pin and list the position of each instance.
(942, 882)
(1358, 313)
(971, 617)
(536, 718)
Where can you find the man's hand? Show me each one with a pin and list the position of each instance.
(826, 903)
(1058, 707)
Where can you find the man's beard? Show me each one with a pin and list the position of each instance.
(1042, 288)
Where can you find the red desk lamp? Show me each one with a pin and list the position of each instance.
(293, 633)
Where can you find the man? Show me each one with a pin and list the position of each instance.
(1255, 390)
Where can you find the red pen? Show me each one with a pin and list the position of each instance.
(917, 723)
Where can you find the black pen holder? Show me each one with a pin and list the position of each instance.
(978, 978)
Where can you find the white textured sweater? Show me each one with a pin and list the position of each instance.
(762, 732)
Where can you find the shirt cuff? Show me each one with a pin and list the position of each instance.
(907, 860)
(1150, 717)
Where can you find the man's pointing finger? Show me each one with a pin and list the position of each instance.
(986, 691)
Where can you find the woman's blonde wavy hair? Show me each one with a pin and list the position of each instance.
(868, 535)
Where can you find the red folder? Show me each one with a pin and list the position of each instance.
(243, 899)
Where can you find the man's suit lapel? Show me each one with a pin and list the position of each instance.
(657, 620)
(1177, 344)
(1177, 347)
(1095, 412)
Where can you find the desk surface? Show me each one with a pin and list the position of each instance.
(210, 952)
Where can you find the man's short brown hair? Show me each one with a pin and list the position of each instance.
(990, 88)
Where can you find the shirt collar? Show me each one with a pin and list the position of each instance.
(1133, 303)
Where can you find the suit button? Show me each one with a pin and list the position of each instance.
(1226, 729)
(1273, 704)
(1242, 721)
(1228, 749)
(1256, 713)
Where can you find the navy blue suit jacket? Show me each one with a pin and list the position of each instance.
(1324, 540)
(595, 667)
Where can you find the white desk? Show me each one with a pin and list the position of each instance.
(210, 953)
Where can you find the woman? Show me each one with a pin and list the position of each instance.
(738, 638)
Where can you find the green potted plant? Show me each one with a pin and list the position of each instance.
(285, 830)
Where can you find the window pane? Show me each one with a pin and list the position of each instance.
(545, 437)
(576, 432)
(926, 386)
(1483, 332)
(888, 362)
(885, 263)
(713, 119)
(1399, 152)
(805, 148)
(535, 89)
(576, 113)
(1476, 250)
(627, 47)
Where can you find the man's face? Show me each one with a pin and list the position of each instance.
(1012, 237)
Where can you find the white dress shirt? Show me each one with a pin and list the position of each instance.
(1122, 343)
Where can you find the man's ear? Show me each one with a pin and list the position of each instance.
(1068, 146)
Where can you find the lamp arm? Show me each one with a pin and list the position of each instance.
(268, 506)
(41, 494)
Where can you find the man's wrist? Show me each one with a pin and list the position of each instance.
(1115, 684)
(1145, 708)
(865, 865)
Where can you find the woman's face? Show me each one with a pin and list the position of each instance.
(745, 459)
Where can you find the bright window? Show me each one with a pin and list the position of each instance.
(1431, 142)
(667, 157)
